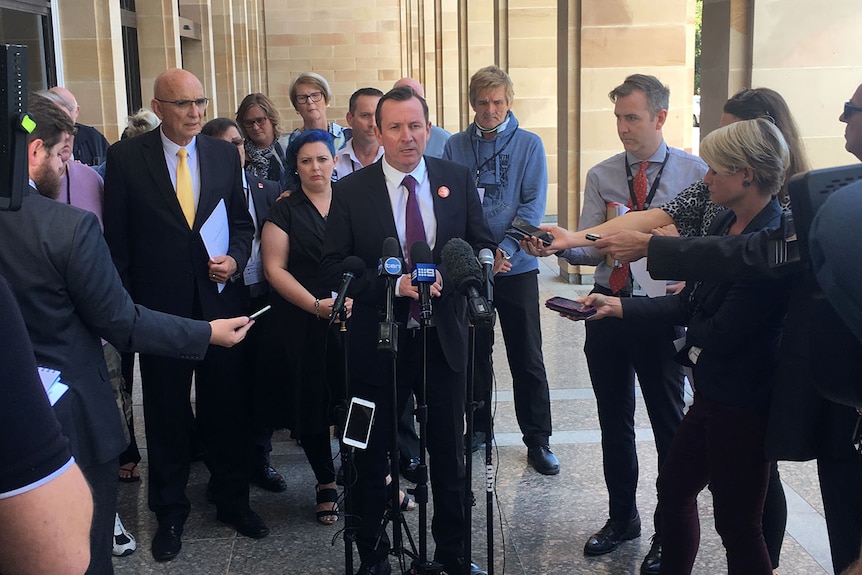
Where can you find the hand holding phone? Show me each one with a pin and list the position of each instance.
(525, 228)
(570, 308)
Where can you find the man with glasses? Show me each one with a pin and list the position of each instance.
(852, 116)
(160, 190)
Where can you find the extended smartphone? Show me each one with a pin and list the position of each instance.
(525, 228)
(571, 308)
(360, 418)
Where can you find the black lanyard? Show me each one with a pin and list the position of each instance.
(653, 189)
(68, 185)
(492, 158)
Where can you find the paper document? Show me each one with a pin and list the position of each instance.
(653, 288)
(54, 388)
(216, 233)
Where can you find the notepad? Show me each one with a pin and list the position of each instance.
(54, 388)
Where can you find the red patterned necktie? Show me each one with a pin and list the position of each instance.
(620, 275)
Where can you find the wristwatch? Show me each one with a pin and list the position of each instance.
(506, 255)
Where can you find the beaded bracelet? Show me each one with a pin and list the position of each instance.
(317, 307)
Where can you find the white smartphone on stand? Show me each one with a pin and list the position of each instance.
(360, 418)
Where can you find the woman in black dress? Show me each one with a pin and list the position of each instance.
(292, 241)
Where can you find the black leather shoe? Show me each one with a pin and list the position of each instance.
(266, 477)
(245, 521)
(543, 460)
(381, 568)
(167, 542)
(652, 561)
(409, 471)
(611, 535)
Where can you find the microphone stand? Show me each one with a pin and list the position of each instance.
(346, 453)
(422, 565)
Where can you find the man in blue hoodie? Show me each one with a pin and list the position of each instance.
(512, 179)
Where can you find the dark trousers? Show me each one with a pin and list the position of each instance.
(516, 299)
(615, 351)
(721, 446)
(840, 481)
(255, 368)
(131, 454)
(102, 479)
(221, 418)
(445, 395)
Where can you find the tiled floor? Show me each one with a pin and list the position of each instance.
(540, 523)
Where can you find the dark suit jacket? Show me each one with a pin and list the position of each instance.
(69, 292)
(163, 263)
(817, 349)
(736, 324)
(360, 219)
(264, 193)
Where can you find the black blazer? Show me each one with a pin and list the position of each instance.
(359, 221)
(61, 272)
(163, 262)
(264, 193)
(817, 349)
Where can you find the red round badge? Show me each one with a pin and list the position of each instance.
(443, 192)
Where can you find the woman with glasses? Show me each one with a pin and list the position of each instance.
(690, 214)
(731, 346)
(310, 96)
(259, 122)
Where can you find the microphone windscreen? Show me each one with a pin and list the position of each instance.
(461, 264)
(486, 257)
(420, 253)
(391, 248)
(354, 265)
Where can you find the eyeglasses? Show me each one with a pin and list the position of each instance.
(200, 103)
(850, 109)
(238, 141)
(259, 122)
(304, 98)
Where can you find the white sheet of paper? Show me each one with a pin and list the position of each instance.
(216, 234)
(653, 288)
(54, 388)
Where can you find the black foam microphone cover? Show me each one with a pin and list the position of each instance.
(461, 265)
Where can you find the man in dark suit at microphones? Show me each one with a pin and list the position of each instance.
(180, 233)
(60, 270)
(411, 199)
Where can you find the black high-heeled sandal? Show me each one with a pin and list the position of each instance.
(328, 495)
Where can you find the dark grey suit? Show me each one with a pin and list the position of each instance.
(61, 272)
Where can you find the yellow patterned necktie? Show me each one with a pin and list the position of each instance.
(184, 187)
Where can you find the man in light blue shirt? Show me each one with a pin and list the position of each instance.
(616, 350)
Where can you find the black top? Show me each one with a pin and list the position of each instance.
(301, 221)
(31, 443)
(736, 324)
(90, 146)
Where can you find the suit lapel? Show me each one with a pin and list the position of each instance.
(207, 200)
(154, 158)
(379, 201)
(441, 205)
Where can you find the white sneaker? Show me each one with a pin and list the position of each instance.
(124, 543)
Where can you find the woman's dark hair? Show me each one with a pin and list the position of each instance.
(301, 139)
(753, 103)
(218, 126)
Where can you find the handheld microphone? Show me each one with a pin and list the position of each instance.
(353, 266)
(464, 271)
(390, 264)
(424, 274)
(486, 258)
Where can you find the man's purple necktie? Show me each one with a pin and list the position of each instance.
(414, 229)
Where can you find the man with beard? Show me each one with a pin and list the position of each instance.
(70, 295)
